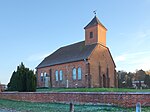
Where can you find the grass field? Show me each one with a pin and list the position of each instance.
(92, 90)
(55, 107)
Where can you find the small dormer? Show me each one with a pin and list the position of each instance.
(95, 32)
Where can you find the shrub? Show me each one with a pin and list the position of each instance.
(22, 80)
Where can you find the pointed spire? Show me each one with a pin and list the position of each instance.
(94, 21)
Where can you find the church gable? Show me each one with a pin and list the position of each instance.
(102, 65)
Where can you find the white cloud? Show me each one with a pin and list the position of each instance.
(120, 58)
(133, 61)
(37, 57)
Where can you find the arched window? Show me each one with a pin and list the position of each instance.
(45, 75)
(41, 77)
(79, 73)
(60, 75)
(56, 75)
(74, 74)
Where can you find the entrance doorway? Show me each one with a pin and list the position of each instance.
(104, 81)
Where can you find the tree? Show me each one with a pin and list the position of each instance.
(140, 75)
(122, 79)
(125, 79)
(22, 80)
(147, 81)
(129, 82)
(147, 72)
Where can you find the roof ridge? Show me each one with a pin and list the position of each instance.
(70, 53)
(94, 22)
(72, 44)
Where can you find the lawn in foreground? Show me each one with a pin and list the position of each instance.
(56, 107)
(92, 90)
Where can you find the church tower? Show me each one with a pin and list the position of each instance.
(95, 32)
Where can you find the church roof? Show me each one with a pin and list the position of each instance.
(94, 22)
(75, 52)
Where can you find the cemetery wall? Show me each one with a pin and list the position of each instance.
(126, 99)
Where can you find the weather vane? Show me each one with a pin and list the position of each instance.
(94, 12)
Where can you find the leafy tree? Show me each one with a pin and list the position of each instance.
(121, 78)
(22, 80)
(147, 80)
(129, 82)
(125, 79)
(140, 75)
(147, 72)
(139, 84)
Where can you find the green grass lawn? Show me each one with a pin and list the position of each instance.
(92, 90)
(56, 107)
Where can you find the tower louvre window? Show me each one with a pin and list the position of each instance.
(91, 34)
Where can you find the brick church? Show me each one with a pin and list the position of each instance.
(84, 64)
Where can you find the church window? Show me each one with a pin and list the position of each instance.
(79, 74)
(41, 77)
(91, 34)
(61, 75)
(74, 74)
(56, 75)
(45, 75)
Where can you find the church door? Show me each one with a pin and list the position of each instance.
(104, 81)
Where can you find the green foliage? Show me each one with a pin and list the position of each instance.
(129, 83)
(22, 80)
(125, 79)
(147, 81)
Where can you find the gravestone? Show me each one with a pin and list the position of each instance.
(138, 107)
(71, 107)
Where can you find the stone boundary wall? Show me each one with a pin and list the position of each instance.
(123, 99)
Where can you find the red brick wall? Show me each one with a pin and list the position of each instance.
(101, 57)
(119, 99)
(99, 33)
(88, 40)
(67, 74)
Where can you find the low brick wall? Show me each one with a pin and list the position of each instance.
(128, 99)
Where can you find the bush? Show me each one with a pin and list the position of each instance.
(22, 80)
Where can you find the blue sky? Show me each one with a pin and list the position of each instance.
(32, 29)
